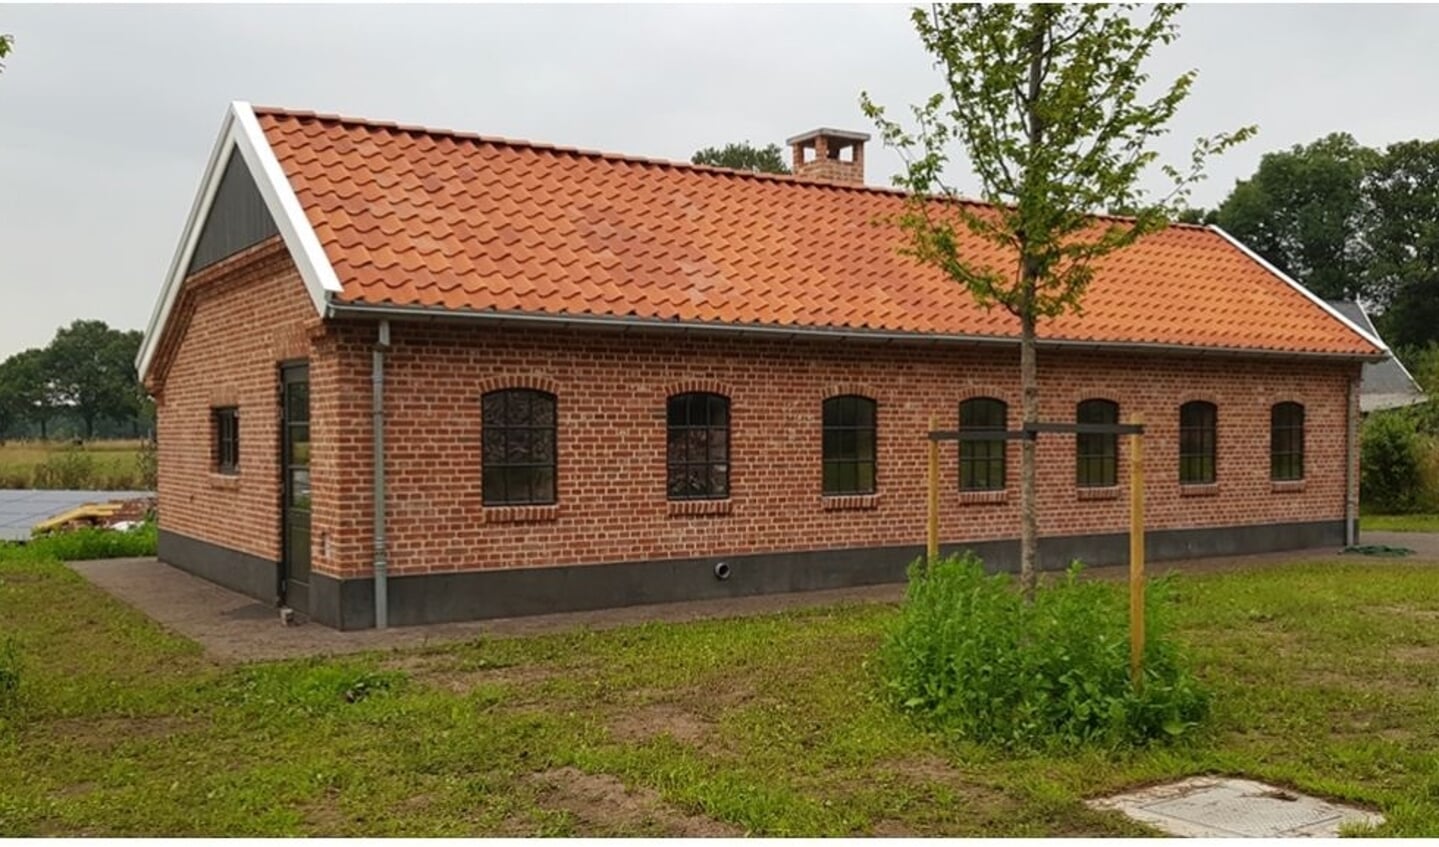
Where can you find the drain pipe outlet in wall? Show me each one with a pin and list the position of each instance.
(1351, 448)
(377, 413)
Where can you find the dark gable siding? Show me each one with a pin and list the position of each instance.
(238, 217)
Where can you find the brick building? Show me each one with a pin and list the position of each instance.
(606, 380)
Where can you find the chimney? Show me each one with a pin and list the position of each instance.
(832, 155)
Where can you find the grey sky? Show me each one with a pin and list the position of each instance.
(107, 114)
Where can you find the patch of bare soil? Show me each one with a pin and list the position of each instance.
(1395, 682)
(644, 722)
(1427, 654)
(604, 806)
(893, 829)
(1404, 612)
(324, 817)
(929, 769)
(444, 671)
(107, 733)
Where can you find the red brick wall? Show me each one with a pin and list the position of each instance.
(611, 393)
(232, 325)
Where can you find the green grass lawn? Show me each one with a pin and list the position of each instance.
(1399, 523)
(1325, 676)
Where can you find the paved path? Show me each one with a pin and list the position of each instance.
(21, 509)
(233, 627)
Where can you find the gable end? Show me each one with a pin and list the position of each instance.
(237, 219)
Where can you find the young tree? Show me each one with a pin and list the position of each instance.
(1045, 100)
(7, 43)
(743, 157)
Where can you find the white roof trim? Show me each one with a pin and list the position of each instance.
(241, 132)
(1312, 297)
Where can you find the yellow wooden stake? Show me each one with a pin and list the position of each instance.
(1136, 554)
(932, 550)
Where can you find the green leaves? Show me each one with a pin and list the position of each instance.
(971, 658)
(1045, 103)
(743, 157)
(1305, 210)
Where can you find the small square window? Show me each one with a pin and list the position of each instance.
(226, 426)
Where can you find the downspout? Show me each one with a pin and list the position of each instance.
(377, 414)
(1351, 440)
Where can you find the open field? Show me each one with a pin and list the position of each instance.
(1325, 676)
(1399, 523)
(103, 465)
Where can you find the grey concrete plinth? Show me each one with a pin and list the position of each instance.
(1220, 807)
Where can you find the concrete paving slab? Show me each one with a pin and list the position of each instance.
(21, 509)
(1228, 807)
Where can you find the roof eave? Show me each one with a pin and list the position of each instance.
(338, 309)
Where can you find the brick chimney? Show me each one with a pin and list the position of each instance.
(832, 155)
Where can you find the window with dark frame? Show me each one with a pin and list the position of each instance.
(982, 463)
(1197, 436)
(849, 445)
(1096, 454)
(227, 439)
(518, 447)
(697, 448)
(1286, 442)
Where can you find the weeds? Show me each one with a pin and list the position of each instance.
(968, 654)
(94, 466)
(71, 468)
(94, 543)
(9, 677)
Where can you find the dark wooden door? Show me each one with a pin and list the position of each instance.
(295, 470)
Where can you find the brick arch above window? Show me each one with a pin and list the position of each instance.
(536, 382)
(847, 389)
(1200, 397)
(991, 392)
(698, 386)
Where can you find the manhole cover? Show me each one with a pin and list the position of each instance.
(1221, 807)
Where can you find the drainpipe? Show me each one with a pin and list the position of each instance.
(1351, 441)
(377, 413)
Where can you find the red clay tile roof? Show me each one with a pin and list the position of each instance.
(415, 217)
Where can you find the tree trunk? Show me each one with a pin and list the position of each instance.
(1028, 509)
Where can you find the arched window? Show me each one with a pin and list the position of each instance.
(518, 447)
(849, 445)
(981, 463)
(698, 447)
(1286, 441)
(1198, 422)
(1096, 454)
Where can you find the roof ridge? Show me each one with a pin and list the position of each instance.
(762, 176)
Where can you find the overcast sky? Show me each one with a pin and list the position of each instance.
(107, 114)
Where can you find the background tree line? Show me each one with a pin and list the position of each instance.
(83, 384)
(1349, 221)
